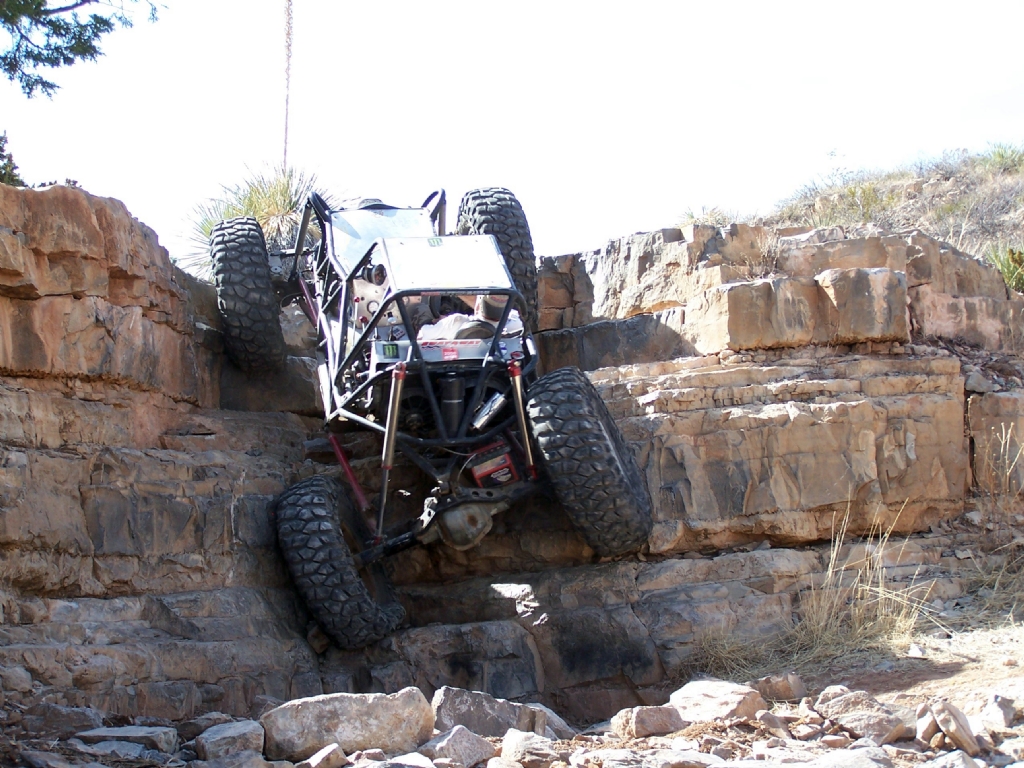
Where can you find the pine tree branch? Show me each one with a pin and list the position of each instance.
(67, 8)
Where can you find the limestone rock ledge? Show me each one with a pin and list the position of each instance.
(139, 571)
(736, 450)
(753, 287)
(138, 563)
(87, 294)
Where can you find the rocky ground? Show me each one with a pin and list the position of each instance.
(950, 701)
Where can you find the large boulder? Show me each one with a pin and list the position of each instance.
(954, 296)
(863, 716)
(396, 723)
(486, 715)
(480, 712)
(460, 745)
(864, 305)
(228, 738)
(702, 701)
(761, 314)
(638, 722)
(786, 686)
(609, 343)
(528, 749)
(956, 727)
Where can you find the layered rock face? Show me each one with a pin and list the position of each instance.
(771, 384)
(139, 571)
(801, 393)
(750, 287)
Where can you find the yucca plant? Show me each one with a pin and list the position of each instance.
(274, 198)
(1009, 261)
(1003, 158)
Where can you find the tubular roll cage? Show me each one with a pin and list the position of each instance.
(326, 297)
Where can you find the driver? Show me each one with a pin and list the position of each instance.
(481, 324)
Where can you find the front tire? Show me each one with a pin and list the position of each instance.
(249, 309)
(591, 467)
(355, 608)
(496, 211)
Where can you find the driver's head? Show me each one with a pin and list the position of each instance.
(490, 306)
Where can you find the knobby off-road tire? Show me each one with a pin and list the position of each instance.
(311, 520)
(495, 211)
(592, 470)
(248, 306)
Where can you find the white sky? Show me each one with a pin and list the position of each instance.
(604, 118)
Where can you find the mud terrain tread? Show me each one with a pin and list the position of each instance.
(592, 469)
(496, 211)
(248, 306)
(321, 564)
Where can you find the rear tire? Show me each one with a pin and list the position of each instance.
(591, 468)
(249, 309)
(354, 607)
(496, 211)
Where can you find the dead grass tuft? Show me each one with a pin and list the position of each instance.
(998, 586)
(854, 608)
(999, 460)
(713, 216)
(766, 262)
(855, 616)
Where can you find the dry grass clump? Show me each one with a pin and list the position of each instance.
(999, 588)
(999, 459)
(998, 583)
(856, 611)
(844, 199)
(854, 608)
(766, 262)
(713, 216)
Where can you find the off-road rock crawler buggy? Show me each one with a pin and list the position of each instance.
(424, 338)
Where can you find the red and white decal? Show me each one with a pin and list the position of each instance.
(449, 353)
(455, 343)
